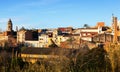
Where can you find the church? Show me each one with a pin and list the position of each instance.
(8, 38)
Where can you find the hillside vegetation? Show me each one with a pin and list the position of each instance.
(98, 59)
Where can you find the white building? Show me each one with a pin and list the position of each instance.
(87, 33)
(32, 43)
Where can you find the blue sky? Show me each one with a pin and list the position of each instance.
(57, 13)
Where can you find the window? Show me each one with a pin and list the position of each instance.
(88, 34)
(84, 34)
(41, 39)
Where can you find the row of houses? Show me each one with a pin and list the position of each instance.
(64, 37)
(40, 42)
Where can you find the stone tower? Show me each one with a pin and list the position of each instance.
(9, 25)
(115, 29)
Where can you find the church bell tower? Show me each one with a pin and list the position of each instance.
(9, 25)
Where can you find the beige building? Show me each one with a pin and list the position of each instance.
(3, 39)
(21, 36)
(45, 40)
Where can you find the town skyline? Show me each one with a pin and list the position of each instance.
(57, 13)
(59, 36)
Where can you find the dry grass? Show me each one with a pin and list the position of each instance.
(113, 51)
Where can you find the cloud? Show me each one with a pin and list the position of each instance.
(3, 20)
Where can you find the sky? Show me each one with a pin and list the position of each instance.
(40, 14)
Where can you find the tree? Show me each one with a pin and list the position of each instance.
(86, 26)
(94, 61)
